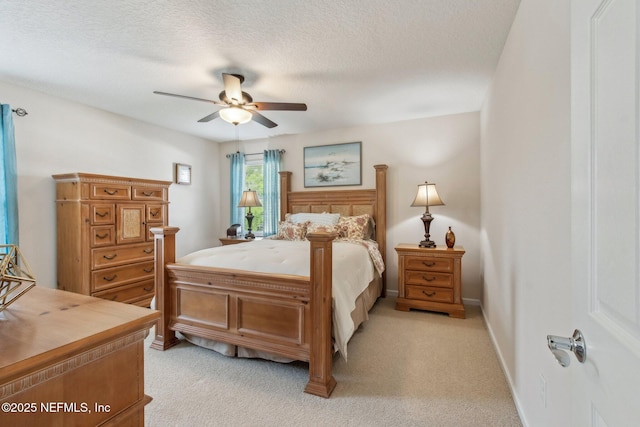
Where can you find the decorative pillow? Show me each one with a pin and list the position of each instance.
(291, 231)
(320, 228)
(314, 218)
(354, 227)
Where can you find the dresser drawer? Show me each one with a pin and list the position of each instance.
(129, 293)
(102, 213)
(428, 278)
(155, 213)
(110, 191)
(424, 293)
(107, 278)
(444, 265)
(103, 235)
(148, 193)
(118, 255)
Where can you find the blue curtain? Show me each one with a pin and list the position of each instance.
(271, 196)
(237, 186)
(8, 180)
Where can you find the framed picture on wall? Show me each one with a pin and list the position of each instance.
(333, 165)
(183, 173)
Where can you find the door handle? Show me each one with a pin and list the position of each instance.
(575, 343)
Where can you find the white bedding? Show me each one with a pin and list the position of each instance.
(353, 269)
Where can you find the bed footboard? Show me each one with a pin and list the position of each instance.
(285, 315)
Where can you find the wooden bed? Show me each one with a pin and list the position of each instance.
(285, 315)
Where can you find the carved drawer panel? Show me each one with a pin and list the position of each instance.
(118, 255)
(103, 235)
(429, 294)
(148, 193)
(102, 213)
(155, 213)
(133, 293)
(427, 278)
(444, 265)
(115, 276)
(110, 191)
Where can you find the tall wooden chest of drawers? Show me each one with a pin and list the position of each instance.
(104, 246)
(430, 279)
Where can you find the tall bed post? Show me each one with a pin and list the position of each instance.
(165, 252)
(321, 381)
(285, 189)
(381, 221)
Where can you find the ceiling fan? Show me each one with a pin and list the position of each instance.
(238, 106)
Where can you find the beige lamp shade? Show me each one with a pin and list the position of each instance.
(427, 195)
(249, 200)
(235, 115)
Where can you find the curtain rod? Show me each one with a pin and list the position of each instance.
(255, 154)
(20, 112)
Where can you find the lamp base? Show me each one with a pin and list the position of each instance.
(427, 244)
(249, 236)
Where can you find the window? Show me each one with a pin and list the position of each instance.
(254, 180)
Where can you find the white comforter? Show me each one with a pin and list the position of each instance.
(352, 271)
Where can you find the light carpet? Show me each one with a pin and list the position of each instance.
(405, 369)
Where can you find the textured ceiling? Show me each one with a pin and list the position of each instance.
(353, 62)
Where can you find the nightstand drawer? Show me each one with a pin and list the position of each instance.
(444, 265)
(427, 278)
(429, 294)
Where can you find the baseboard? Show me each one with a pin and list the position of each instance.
(503, 366)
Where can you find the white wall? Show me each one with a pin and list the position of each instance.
(444, 150)
(526, 217)
(59, 136)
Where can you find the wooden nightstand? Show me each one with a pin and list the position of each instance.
(235, 240)
(430, 279)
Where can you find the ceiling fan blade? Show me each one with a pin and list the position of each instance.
(288, 106)
(209, 117)
(189, 97)
(232, 87)
(259, 118)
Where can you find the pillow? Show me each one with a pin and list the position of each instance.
(291, 231)
(320, 228)
(314, 218)
(355, 227)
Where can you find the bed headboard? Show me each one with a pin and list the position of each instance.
(344, 202)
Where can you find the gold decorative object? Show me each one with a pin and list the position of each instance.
(15, 275)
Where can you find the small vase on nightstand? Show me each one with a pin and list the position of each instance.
(450, 238)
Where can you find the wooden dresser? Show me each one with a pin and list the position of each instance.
(104, 245)
(72, 360)
(430, 279)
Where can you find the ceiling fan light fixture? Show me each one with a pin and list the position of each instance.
(235, 115)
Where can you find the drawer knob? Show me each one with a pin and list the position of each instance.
(148, 251)
(155, 213)
(148, 270)
(109, 279)
(429, 279)
(101, 236)
(148, 289)
(110, 192)
(110, 257)
(101, 214)
(148, 194)
(429, 294)
(429, 264)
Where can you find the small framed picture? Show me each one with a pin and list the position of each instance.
(183, 173)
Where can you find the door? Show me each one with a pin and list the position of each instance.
(130, 223)
(605, 211)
